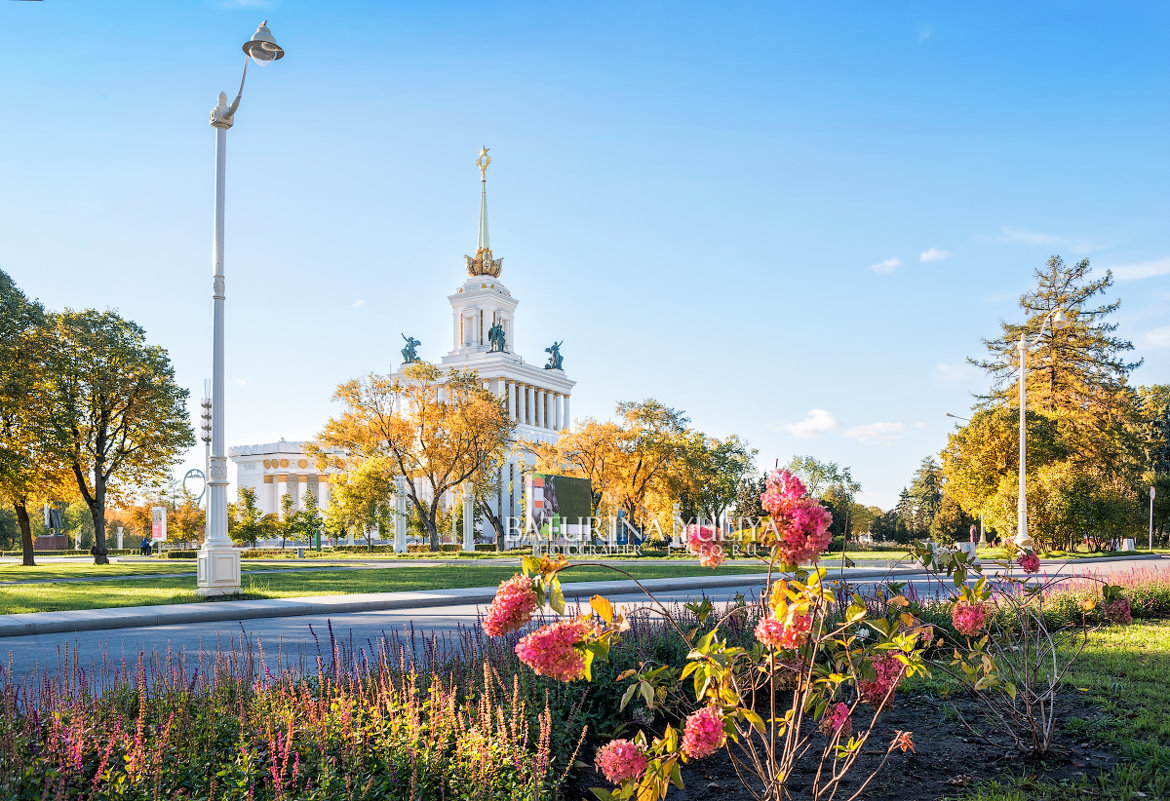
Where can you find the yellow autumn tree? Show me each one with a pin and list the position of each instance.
(437, 428)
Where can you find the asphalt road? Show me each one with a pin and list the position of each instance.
(297, 641)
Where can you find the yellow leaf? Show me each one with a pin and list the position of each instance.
(602, 607)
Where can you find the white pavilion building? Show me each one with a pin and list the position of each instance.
(482, 332)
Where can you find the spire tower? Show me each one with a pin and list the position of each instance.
(483, 263)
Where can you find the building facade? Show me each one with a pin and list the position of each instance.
(483, 324)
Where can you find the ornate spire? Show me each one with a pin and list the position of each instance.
(483, 263)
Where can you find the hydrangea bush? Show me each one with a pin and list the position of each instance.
(811, 687)
(1007, 648)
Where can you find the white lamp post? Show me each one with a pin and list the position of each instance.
(219, 562)
(1059, 321)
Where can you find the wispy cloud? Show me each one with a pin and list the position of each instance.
(925, 32)
(1145, 269)
(1158, 337)
(815, 423)
(1021, 236)
(887, 266)
(876, 432)
(357, 304)
(934, 254)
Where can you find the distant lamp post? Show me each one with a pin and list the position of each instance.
(219, 561)
(1059, 321)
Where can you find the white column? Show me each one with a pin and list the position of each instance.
(530, 405)
(542, 408)
(511, 400)
(499, 387)
(399, 514)
(566, 419)
(468, 518)
(557, 414)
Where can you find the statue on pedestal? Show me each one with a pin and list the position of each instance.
(497, 338)
(554, 359)
(409, 353)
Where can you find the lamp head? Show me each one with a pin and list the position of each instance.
(262, 47)
(1059, 320)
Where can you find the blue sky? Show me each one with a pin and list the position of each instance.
(793, 221)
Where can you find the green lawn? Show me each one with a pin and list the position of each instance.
(147, 591)
(1125, 670)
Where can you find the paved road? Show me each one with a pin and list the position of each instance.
(298, 640)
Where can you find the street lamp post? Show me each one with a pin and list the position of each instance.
(219, 562)
(1059, 321)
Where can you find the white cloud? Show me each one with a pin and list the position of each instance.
(934, 254)
(357, 304)
(1146, 269)
(1158, 337)
(887, 266)
(876, 432)
(815, 423)
(1024, 237)
(925, 32)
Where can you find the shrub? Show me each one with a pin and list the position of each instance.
(180, 554)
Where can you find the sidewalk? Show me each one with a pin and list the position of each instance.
(222, 611)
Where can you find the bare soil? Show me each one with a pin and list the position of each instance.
(947, 757)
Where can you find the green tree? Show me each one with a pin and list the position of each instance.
(244, 521)
(707, 478)
(748, 508)
(361, 496)
(951, 524)
(119, 419)
(1076, 376)
(29, 474)
(926, 490)
(1153, 404)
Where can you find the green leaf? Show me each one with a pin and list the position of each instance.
(753, 719)
(647, 693)
(602, 795)
(627, 695)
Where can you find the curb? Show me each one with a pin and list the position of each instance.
(31, 623)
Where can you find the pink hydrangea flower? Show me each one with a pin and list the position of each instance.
(620, 760)
(549, 650)
(772, 632)
(1117, 611)
(1030, 562)
(969, 618)
(512, 607)
(703, 733)
(889, 675)
(703, 541)
(837, 720)
(801, 524)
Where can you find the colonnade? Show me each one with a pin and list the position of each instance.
(534, 406)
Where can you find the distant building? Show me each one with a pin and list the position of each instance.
(279, 468)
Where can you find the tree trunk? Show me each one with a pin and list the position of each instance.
(26, 540)
(494, 520)
(432, 526)
(98, 510)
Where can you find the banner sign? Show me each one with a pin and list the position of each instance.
(559, 506)
(158, 523)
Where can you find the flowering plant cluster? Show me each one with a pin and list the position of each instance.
(796, 693)
(1004, 636)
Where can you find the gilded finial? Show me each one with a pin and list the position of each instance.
(482, 162)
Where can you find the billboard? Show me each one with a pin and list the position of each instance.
(559, 506)
(158, 523)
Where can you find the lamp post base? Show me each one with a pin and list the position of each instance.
(218, 570)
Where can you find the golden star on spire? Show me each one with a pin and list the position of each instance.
(483, 161)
